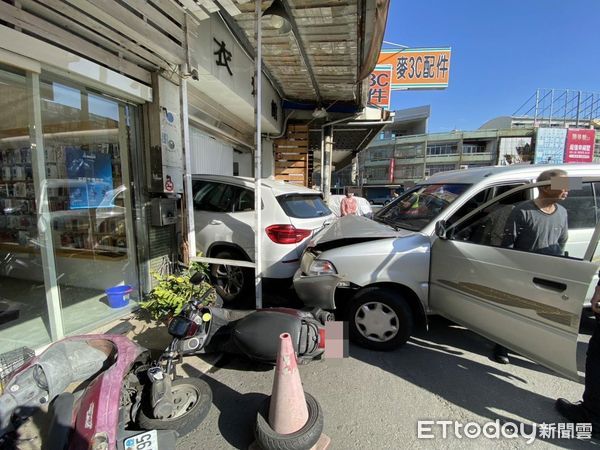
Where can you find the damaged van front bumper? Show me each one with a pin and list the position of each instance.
(317, 290)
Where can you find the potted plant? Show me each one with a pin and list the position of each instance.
(172, 292)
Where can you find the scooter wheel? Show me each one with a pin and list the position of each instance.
(192, 399)
(303, 439)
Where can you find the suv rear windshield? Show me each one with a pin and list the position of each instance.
(303, 206)
(418, 207)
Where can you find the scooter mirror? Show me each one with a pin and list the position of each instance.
(198, 277)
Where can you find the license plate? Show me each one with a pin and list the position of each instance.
(142, 441)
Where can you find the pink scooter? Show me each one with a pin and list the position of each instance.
(124, 400)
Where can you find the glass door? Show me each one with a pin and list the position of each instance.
(86, 139)
(66, 215)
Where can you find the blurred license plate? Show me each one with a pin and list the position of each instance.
(142, 441)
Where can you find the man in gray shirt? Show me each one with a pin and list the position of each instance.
(539, 226)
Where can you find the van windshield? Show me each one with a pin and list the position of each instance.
(418, 207)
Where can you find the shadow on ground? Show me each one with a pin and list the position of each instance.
(237, 416)
(438, 361)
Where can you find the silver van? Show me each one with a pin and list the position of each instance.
(437, 250)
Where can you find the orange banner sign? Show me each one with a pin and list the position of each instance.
(417, 68)
(380, 87)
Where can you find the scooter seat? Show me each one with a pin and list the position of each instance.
(257, 335)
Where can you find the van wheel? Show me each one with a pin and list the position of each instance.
(380, 319)
(232, 283)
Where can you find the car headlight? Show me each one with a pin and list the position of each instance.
(322, 267)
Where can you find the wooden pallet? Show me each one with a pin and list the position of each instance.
(291, 156)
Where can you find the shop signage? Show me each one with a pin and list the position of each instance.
(223, 56)
(550, 145)
(225, 76)
(417, 68)
(392, 168)
(380, 86)
(561, 145)
(580, 145)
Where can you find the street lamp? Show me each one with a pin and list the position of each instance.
(277, 17)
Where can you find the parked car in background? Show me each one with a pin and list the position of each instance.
(224, 224)
(380, 199)
(436, 250)
(364, 207)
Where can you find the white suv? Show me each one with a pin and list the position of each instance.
(439, 249)
(224, 224)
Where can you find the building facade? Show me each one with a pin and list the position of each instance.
(399, 159)
(107, 110)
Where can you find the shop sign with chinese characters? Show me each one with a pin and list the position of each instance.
(417, 68)
(561, 145)
(380, 86)
(580, 145)
(411, 68)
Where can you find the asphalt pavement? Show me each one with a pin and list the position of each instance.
(374, 400)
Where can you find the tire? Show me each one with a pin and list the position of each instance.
(232, 283)
(379, 319)
(184, 421)
(303, 439)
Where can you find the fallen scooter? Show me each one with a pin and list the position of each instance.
(199, 329)
(127, 401)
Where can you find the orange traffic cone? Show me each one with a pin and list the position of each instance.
(287, 411)
(294, 419)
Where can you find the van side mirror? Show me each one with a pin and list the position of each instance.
(440, 229)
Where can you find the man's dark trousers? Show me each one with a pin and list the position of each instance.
(591, 395)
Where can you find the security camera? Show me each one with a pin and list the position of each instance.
(194, 74)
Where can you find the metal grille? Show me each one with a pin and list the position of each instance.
(11, 361)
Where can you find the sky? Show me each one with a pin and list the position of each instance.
(502, 51)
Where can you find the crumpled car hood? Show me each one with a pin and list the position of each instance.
(352, 229)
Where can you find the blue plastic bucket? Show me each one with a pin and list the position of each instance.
(118, 296)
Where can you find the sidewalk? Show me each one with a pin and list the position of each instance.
(153, 335)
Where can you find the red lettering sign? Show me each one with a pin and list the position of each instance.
(580, 145)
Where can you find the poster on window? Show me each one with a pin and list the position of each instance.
(90, 176)
(550, 145)
(580, 145)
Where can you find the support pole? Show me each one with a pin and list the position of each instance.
(258, 232)
(187, 177)
(328, 131)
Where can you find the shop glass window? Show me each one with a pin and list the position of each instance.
(66, 215)
(24, 308)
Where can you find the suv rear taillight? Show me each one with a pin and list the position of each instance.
(286, 234)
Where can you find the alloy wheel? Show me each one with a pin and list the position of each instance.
(230, 279)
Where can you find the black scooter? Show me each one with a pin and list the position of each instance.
(200, 329)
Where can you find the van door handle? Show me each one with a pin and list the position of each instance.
(549, 284)
(216, 222)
